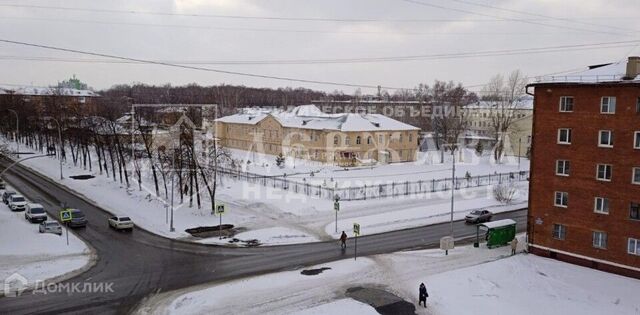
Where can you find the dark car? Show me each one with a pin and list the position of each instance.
(478, 216)
(77, 219)
(5, 196)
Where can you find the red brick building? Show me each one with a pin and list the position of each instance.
(584, 198)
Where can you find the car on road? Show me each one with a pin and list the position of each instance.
(121, 223)
(6, 194)
(77, 219)
(478, 216)
(50, 227)
(17, 202)
(35, 213)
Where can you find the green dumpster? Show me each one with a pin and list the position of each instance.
(497, 233)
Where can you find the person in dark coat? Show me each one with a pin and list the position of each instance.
(423, 295)
(343, 240)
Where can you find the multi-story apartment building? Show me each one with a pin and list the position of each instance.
(306, 132)
(584, 198)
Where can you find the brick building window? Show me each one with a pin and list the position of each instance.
(633, 246)
(566, 104)
(564, 136)
(605, 139)
(601, 205)
(634, 211)
(638, 105)
(358, 140)
(604, 172)
(562, 199)
(599, 239)
(563, 167)
(636, 176)
(608, 105)
(636, 140)
(559, 231)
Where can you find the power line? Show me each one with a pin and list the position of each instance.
(541, 15)
(269, 30)
(431, 5)
(245, 74)
(248, 17)
(424, 57)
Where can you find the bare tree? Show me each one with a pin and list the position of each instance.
(504, 97)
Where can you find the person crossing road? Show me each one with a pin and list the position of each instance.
(343, 240)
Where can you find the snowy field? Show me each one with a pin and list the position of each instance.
(270, 215)
(467, 281)
(425, 168)
(36, 256)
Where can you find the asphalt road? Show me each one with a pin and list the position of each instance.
(140, 263)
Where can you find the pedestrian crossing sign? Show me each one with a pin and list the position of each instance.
(220, 208)
(356, 229)
(65, 215)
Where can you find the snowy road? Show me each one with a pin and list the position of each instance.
(140, 264)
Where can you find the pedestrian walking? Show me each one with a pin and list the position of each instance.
(423, 295)
(343, 240)
(514, 246)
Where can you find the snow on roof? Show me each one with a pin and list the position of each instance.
(39, 91)
(499, 223)
(612, 72)
(311, 117)
(523, 103)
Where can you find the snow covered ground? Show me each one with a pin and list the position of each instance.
(270, 215)
(37, 256)
(467, 281)
(426, 167)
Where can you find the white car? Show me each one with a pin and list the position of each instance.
(121, 223)
(17, 202)
(35, 213)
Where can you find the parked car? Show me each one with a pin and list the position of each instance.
(121, 223)
(478, 216)
(35, 213)
(17, 202)
(3, 185)
(5, 196)
(50, 227)
(77, 219)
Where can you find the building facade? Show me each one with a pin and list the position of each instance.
(584, 204)
(306, 132)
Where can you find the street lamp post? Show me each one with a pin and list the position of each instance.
(17, 132)
(59, 143)
(453, 185)
(18, 161)
(336, 208)
(173, 175)
(519, 153)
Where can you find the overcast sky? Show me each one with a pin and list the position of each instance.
(391, 31)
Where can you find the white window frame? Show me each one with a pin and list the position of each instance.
(563, 104)
(609, 134)
(635, 246)
(560, 130)
(636, 140)
(635, 172)
(611, 106)
(562, 232)
(604, 204)
(564, 196)
(566, 167)
(599, 239)
(606, 166)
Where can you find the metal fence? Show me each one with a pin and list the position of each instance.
(393, 189)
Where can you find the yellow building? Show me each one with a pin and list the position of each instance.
(520, 133)
(308, 133)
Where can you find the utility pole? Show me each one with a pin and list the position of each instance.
(173, 167)
(453, 185)
(336, 208)
(17, 133)
(519, 153)
(59, 142)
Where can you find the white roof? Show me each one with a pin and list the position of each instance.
(612, 72)
(39, 91)
(311, 117)
(523, 103)
(499, 223)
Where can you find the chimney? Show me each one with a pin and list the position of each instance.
(633, 68)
